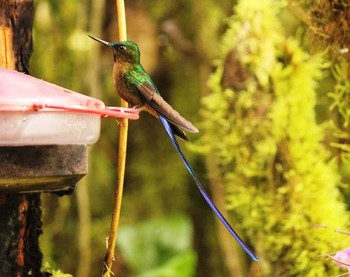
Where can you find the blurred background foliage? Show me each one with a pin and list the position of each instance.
(266, 82)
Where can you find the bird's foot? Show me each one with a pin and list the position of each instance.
(137, 107)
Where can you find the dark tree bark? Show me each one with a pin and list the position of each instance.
(20, 214)
(16, 20)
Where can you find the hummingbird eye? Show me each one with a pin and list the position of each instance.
(121, 48)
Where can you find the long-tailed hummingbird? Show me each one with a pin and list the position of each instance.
(136, 87)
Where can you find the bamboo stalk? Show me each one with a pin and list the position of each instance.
(122, 148)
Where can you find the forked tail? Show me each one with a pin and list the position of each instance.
(203, 192)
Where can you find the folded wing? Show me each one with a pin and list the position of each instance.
(152, 97)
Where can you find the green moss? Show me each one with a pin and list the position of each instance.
(329, 30)
(262, 131)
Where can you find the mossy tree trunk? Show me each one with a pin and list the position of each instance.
(261, 130)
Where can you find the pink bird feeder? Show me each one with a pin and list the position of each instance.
(35, 112)
(45, 130)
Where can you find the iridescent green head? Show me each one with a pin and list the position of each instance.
(124, 51)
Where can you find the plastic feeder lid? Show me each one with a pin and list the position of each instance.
(35, 112)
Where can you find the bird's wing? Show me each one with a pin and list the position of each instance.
(152, 97)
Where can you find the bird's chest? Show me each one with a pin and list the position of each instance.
(125, 90)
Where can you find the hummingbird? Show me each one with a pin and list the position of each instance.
(136, 87)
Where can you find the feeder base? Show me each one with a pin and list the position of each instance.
(44, 168)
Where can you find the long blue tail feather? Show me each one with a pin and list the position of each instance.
(203, 192)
